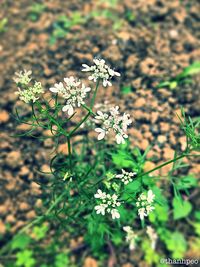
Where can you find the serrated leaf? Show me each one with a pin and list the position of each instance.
(40, 231)
(25, 258)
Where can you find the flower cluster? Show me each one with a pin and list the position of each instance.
(108, 204)
(100, 71)
(126, 177)
(73, 91)
(27, 93)
(22, 77)
(152, 235)
(113, 121)
(130, 237)
(144, 204)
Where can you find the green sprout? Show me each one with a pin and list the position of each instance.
(35, 11)
(183, 77)
(3, 25)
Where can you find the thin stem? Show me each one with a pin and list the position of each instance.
(37, 220)
(94, 95)
(69, 152)
(88, 109)
(80, 123)
(34, 115)
(156, 168)
(164, 164)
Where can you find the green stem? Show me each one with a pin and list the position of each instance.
(88, 109)
(69, 152)
(156, 168)
(35, 221)
(94, 95)
(40, 218)
(164, 164)
(34, 115)
(80, 123)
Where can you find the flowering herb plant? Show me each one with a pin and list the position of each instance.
(102, 190)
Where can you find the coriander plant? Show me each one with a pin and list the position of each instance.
(99, 188)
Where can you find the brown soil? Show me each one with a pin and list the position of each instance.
(155, 46)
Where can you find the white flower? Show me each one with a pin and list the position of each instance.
(100, 194)
(115, 214)
(69, 109)
(100, 71)
(101, 132)
(113, 121)
(150, 196)
(23, 77)
(58, 87)
(149, 208)
(101, 209)
(130, 237)
(126, 177)
(73, 91)
(152, 235)
(142, 213)
(144, 204)
(108, 203)
(27, 92)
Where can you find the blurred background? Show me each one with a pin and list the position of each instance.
(154, 44)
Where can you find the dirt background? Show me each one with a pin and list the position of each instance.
(154, 45)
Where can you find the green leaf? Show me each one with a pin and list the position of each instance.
(176, 243)
(163, 84)
(197, 228)
(122, 160)
(117, 238)
(197, 215)
(24, 258)
(40, 231)
(133, 187)
(160, 214)
(20, 241)
(160, 198)
(131, 190)
(173, 84)
(126, 216)
(97, 230)
(126, 89)
(186, 182)
(62, 260)
(193, 69)
(181, 208)
(3, 24)
(150, 255)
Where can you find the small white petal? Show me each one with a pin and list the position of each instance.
(91, 78)
(101, 136)
(54, 90)
(117, 73)
(69, 109)
(105, 82)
